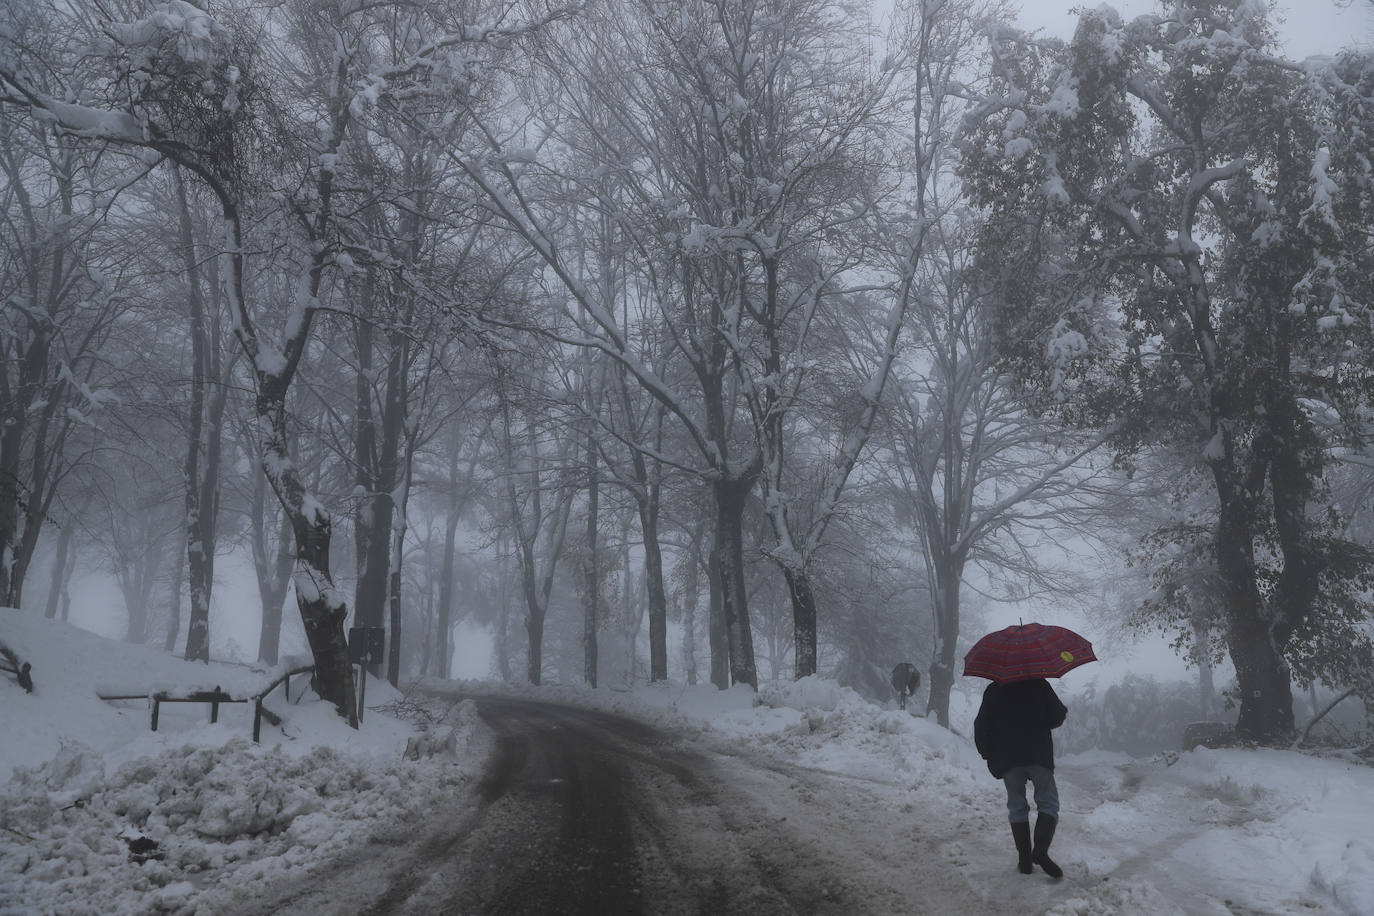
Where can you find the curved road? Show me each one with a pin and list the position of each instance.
(582, 812)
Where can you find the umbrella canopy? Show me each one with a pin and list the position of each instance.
(1026, 651)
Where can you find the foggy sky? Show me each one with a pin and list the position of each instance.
(1314, 27)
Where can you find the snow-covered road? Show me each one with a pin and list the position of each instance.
(800, 797)
(584, 812)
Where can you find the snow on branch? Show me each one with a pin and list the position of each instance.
(79, 120)
(187, 29)
(427, 56)
(1324, 190)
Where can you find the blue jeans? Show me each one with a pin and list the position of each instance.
(1046, 792)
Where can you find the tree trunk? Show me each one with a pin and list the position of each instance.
(27, 408)
(65, 614)
(60, 567)
(715, 625)
(535, 590)
(269, 633)
(729, 548)
(393, 662)
(21, 521)
(534, 626)
(691, 600)
(444, 625)
(177, 580)
(537, 598)
(322, 608)
(150, 580)
(427, 637)
(632, 604)
(209, 513)
(591, 574)
(689, 637)
(1262, 675)
(199, 516)
(657, 594)
(941, 681)
(273, 574)
(372, 522)
(503, 615)
(803, 620)
(45, 481)
(379, 474)
(948, 574)
(393, 651)
(535, 609)
(137, 632)
(12, 495)
(323, 613)
(137, 569)
(1265, 686)
(214, 454)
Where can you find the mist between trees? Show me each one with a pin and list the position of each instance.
(691, 339)
(1143, 716)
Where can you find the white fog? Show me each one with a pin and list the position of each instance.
(636, 457)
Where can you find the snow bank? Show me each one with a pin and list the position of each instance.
(102, 815)
(1306, 818)
(842, 732)
(71, 666)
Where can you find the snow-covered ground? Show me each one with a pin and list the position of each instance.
(98, 814)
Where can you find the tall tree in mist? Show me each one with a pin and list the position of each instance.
(730, 155)
(210, 386)
(203, 94)
(1179, 219)
(57, 303)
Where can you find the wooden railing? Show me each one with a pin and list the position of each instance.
(261, 712)
(217, 696)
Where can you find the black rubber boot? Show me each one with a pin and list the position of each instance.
(1044, 835)
(1021, 833)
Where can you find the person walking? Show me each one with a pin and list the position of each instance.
(1012, 733)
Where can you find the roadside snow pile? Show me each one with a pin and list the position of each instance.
(1271, 829)
(1263, 831)
(102, 815)
(71, 667)
(843, 732)
(162, 826)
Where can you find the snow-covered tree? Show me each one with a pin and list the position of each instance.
(259, 112)
(57, 301)
(1178, 221)
(981, 481)
(733, 157)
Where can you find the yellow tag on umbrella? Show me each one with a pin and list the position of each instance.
(1066, 655)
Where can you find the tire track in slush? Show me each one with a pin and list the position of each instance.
(584, 813)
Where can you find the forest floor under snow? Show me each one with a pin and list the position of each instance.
(98, 814)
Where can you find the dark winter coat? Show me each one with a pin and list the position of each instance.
(1013, 725)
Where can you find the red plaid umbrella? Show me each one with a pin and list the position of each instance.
(1027, 651)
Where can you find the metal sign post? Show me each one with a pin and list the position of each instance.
(366, 645)
(906, 678)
